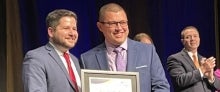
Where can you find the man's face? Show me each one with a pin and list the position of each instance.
(65, 34)
(114, 27)
(191, 39)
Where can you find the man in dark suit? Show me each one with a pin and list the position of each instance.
(189, 71)
(46, 69)
(136, 56)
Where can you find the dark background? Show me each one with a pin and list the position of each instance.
(163, 20)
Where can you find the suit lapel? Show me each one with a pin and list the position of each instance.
(57, 59)
(200, 58)
(188, 59)
(77, 66)
(101, 56)
(132, 56)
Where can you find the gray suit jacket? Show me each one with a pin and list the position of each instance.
(142, 58)
(185, 77)
(43, 71)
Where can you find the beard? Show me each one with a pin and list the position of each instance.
(63, 43)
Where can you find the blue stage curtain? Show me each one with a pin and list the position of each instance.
(162, 19)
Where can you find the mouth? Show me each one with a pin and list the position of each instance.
(71, 39)
(193, 43)
(118, 35)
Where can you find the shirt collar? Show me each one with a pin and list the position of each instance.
(190, 53)
(110, 47)
(58, 51)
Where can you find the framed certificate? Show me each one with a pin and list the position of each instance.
(109, 81)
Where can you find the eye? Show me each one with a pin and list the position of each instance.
(123, 23)
(111, 23)
(66, 28)
(74, 28)
(187, 37)
(115, 24)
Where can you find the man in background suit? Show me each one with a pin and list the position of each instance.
(137, 57)
(45, 68)
(190, 74)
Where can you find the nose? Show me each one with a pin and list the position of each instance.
(193, 37)
(71, 32)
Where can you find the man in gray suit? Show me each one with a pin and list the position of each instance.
(136, 56)
(189, 71)
(45, 69)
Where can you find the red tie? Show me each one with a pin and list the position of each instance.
(71, 73)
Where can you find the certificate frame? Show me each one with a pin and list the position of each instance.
(101, 81)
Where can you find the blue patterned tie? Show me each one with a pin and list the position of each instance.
(120, 63)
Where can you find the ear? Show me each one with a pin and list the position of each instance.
(182, 40)
(99, 25)
(50, 31)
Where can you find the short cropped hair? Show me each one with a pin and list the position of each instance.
(52, 19)
(111, 7)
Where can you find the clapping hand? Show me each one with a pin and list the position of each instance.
(207, 67)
